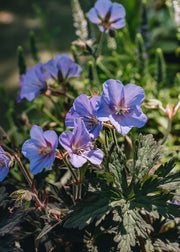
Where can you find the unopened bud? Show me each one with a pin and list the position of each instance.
(112, 33)
(154, 104)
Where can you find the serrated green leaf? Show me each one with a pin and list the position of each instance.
(147, 153)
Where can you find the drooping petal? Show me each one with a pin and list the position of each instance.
(134, 95)
(37, 134)
(93, 17)
(94, 156)
(102, 7)
(77, 161)
(117, 12)
(112, 92)
(81, 136)
(51, 137)
(30, 92)
(63, 63)
(119, 24)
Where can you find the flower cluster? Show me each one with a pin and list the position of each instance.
(118, 104)
(34, 82)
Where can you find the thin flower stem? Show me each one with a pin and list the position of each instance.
(106, 142)
(70, 168)
(4, 133)
(52, 117)
(113, 132)
(167, 131)
(95, 75)
(99, 48)
(25, 171)
(55, 105)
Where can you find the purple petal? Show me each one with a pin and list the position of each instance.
(63, 63)
(74, 70)
(135, 119)
(77, 161)
(104, 111)
(38, 164)
(102, 7)
(95, 101)
(93, 17)
(51, 137)
(119, 124)
(30, 149)
(65, 140)
(134, 95)
(70, 116)
(82, 106)
(51, 67)
(36, 133)
(94, 156)
(119, 24)
(30, 92)
(81, 137)
(117, 12)
(3, 172)
(94, 133)
(113, 92)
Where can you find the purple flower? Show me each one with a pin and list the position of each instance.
(175, 202)
(79, 145)
(64, 65)
(4, 164)
(32, 83)
(40, 149)
(121, 105)
(107, 15)
(84, 109)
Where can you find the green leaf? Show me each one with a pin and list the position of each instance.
(89, 210)
(147, 154)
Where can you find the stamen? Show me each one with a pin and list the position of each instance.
(45, 151)
(121, 111)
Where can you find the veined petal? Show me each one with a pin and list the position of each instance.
(51, 137)
(37, 134)
(94, 156)
(51, 67)
(135, 119)
(102, 7)
(65, 140)
(81, 136)
(93, 17)
(95, 101)
(82, 106)
(103, 111)
(30, 149)
(119, 124)
(112, 92)
(134, 95)
(38, 164)
(94, 132)
(77, 160)
(70, 116)
(117, 12)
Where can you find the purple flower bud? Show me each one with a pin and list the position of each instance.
(79, 145)
(107, 15)
(121, 106)
(40, 149)
(4, 164)
(84, 109)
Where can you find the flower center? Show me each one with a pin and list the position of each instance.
(90, 122)
(45, 151)
(81, 149)
(120, 110)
